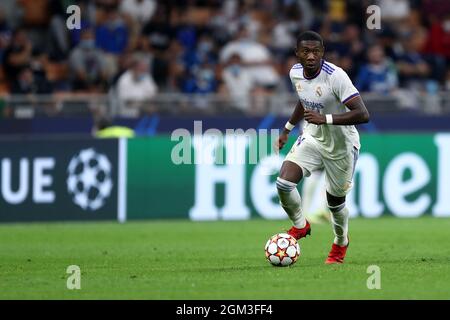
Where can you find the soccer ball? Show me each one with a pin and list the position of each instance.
(282, 250)
(89, 179)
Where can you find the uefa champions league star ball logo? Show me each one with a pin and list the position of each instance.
(89, 179)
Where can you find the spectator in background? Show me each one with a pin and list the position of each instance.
(237, 83)
(414, 73)
(378, 75)
(38, 64)
(186, 31)
(136, 87)
(388, 40)
(112, 35)
(28, 83)
(352, 50)
(435, 59)
(182, 41)
(296, 16)
(438, 41)
(412, 68)
(158, 33)
(89, 11)
(284, 35)
(140, 10)
(191, 59)
(27, 86)
(87, 65)
(201, 79)
(256, 59)
(58, 34)
(394, 11)
(219, 26)
(253, 25)
(17, 55)
(193, 71)
(206, 49)
(158, 30)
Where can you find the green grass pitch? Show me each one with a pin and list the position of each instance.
(222, 260)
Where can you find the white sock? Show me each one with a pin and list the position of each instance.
(291, 202)
(339, 220)
(308, 191)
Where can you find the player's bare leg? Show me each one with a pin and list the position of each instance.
(290, 175)
(339, 220)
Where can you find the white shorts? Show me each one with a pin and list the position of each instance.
(338, 173)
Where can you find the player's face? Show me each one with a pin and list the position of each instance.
(309, 54)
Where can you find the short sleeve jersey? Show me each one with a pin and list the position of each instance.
(327, 92)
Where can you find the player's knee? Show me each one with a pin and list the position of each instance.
(291, 171)
(334, 200)
(335, 204)
(284, 185)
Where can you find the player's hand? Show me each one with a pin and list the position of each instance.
(314, 117)
(282, 139)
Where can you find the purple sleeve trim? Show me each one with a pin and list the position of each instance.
(352, 96)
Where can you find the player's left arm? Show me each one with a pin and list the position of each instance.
(346, 92)
(358, 114)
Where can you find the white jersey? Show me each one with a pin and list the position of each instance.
(327, 92)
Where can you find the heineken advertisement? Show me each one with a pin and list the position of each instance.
(56, 180)
(401, 175)
(203, 178)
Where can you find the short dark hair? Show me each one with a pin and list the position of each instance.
(309, 36)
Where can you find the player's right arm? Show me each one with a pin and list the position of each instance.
(295, 118)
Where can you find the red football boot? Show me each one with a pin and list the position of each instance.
(300, 233)
(337, 254)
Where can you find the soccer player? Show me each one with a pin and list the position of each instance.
(331, 106)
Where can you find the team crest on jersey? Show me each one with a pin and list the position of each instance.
(299, 87)
(318, 91)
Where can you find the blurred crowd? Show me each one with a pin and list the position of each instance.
(238, 48)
